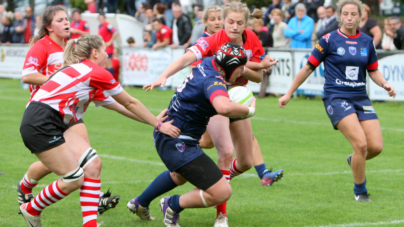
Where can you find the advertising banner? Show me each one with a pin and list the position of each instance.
(314, 84)
(12, 60)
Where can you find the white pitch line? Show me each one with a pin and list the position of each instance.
(363, 224)
(103, 183)
(247, 175)
(130, 159)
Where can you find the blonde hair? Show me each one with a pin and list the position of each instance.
(47, 19)
(210, 9)
(80, 49)
(342, 3)
(367, 9)
(277, 12)
(241, 7)
(257, 21)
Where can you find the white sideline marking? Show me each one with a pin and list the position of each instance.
(130, 159)
(363, 224)
(247, 175)
(102, 183)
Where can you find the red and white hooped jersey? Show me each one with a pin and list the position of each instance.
(208, 46)
(45, 57)
(71, 89)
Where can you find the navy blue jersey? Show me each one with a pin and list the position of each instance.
(346, 59)
(191, 106)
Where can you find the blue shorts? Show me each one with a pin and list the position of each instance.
(176, 152)
(338, 108)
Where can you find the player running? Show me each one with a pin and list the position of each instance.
(63, 99)
(347, 55)
(43, 59)
(241, 140)
(202, 95)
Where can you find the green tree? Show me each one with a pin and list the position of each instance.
(257, 3)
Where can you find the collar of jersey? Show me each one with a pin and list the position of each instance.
(348, 36)
(53, 42)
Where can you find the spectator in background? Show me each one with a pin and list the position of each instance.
(112, 4)
(280, 41)
(311, 8)
(141, 17)
(276, 4)
(262, 32)
(285, 10)
(78, 27)
(129, 7)
(159, 10)
(168, 14)
(91, 6)
(388, 37)
(30, 22)
(182, 27)
(18, 28)
(398, 30)
(198, 29)
(38, 22)
(150, 34)
(131, 42)
(164, 34)
(108, 32)
(7, 21)
(116, 64)
(2, 10)
(300, 28)
(369, 26)
(196, 10)
(321, 16)
(330, 23)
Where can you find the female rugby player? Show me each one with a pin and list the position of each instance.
(347, 55)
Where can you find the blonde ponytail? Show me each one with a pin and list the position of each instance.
(80, 49)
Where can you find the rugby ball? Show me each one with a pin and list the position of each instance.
(241, 95)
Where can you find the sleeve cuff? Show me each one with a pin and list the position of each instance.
(196, 51)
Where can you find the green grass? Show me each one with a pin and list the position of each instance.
(315, 191)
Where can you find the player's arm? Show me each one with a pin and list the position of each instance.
(35, 78)
(188, 58)
(253, 75)
(299, 79)
(225, 107)
(35, 59)
(378, 78)
(125, 112)
(159, 44)
(114, 35)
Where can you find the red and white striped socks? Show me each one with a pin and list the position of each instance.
(226, 174)
(89, 199)
(221, 208)
(48, 196)
(234, 172)
(27, 185)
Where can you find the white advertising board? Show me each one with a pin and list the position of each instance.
(143, 65)
(392, 68)
(314, 84)
(12, 60)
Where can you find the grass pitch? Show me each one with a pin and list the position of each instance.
(317, 189)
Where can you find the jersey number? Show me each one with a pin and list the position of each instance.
(186, 80)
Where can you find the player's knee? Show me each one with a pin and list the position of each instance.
(361, 147)
(375, 149)
(222, 194)
(245, 164)
(177, 178)
(74, 179)
(225, 155)
(93, 169)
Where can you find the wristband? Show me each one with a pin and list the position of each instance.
(251, 112)
(158, 126)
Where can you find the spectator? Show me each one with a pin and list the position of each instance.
(112, 4)
(321, 16)
(159, 10)
(196, 10)
(262, 32)
(300, 28)
(388, 37)
(398, 30)
(280, 41)
(164, 34)
(78, 27)
(30, 21)
(370, 27)
(276, 4)
(311, 8)
(182, 27)
(129, 7)
(108, 32)
(285, 10)
(91, 6)
(168, 14)
(150, 34)
(38, 21)
(116, 64)
(18, 28)
(198, 28)
(330, 23)
(7, 21)
(2, 10)
(140, 15)
(131, 42)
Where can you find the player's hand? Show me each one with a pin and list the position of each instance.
(253, 103)
(169, 129)
(282, 101)
(160, 81)
(390, 89)
(163, 115)
(268, 62)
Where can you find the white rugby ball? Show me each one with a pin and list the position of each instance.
(242, 95)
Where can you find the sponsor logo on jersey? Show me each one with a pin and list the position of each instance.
(217, 83)
(345, 105)
(352, 50)
(33, 61)
(203, 44)
(319, 48)
(364, 52)
(55, 139)
(352, 72)
(368, 109)
(326, 37)
(340, 51)
(180, 147)
(112, 81)
(330, 110)
(349, 83)
(350, 42)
